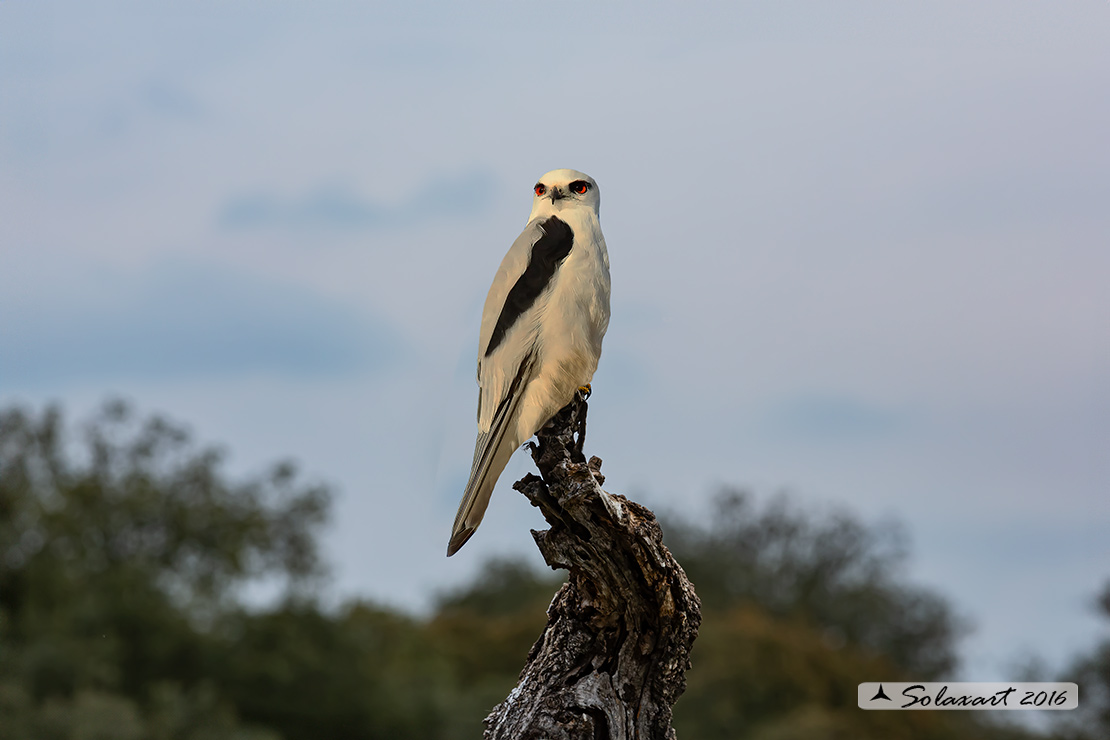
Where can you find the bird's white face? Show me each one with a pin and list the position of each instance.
(559, 190)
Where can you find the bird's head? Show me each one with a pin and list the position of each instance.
(559, 190)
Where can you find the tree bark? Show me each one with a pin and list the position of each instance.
(613, 657)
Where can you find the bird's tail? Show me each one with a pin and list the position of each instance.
(483, 478)
(492, 451)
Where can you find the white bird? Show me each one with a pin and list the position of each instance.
(542, 326)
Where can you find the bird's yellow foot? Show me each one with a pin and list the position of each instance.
(585, 391)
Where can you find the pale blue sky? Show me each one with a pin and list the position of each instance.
(859, 252)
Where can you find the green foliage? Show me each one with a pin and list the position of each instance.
(484, 632)
(113, 554)
(142, 500)
(798, 609)
(825, 569)
(88, 714)
(363, 673)
(758, 677)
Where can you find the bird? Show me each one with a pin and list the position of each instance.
(542, 326)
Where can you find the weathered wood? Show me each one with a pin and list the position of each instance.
(613, 657)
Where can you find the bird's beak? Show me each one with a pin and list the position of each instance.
(557, 194)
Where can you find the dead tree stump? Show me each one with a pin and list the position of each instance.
(613, 657)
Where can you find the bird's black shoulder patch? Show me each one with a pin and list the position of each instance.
(547, 254)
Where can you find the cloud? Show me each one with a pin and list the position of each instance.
(185, 319)
(340, 207)
(829, 417)
(169, 100)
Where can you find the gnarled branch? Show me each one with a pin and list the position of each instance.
(613, 657)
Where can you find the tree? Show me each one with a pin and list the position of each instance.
(1091, 721)
(800, 607)
(115, 552)
(824, 568)
(364, 673)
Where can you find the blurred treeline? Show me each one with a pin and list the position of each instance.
(124, 548)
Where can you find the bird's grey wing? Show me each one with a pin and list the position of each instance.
(509, 325)
(493, 378)
(512, 267)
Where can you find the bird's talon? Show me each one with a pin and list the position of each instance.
(585, 391)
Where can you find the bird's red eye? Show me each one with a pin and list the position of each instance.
(540, 188)
(579, 187)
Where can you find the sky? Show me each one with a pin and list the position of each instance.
(859, 253)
